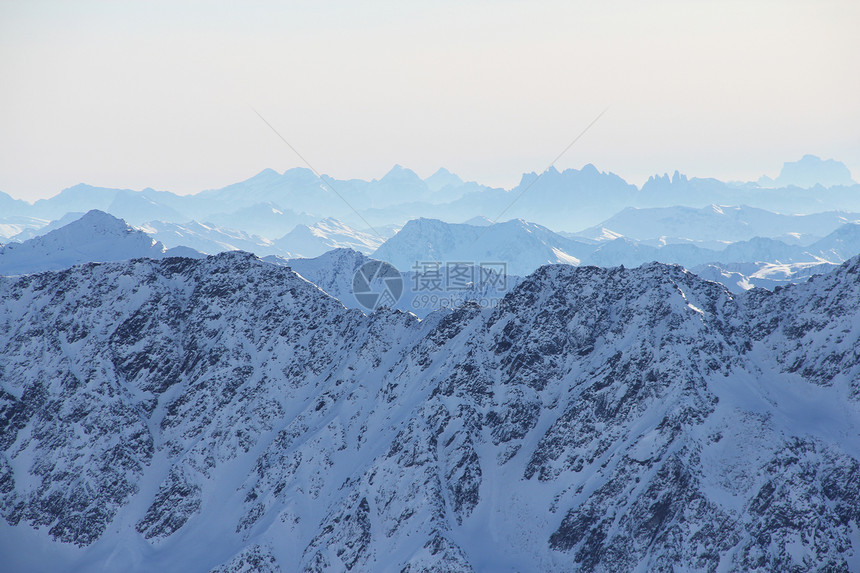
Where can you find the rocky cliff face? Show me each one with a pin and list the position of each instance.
(226, 414)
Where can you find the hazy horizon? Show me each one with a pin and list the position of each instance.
(163, 95)
(377, 177)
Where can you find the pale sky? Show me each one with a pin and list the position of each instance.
(161, 94)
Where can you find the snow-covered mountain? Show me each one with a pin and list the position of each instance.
(738, 277)
(15, 225)
(95, 237)
(332, 272)
(840, 245)
(522, 246)
(768, 250)
(623, 251)
(382, 231)
(423, 292)
(714, 225)
(137, 208)
(314, 240)
(227, 415)
(760, 261)
(302, 241)
(263, 219)
(45, 227)
(518, 247)
(209, 238)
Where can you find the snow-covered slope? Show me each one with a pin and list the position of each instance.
(738, 277)
(46, 227)
(522, 246)
(225, 414)
(138, 208)
(835, 248)
(332, 271)
(209, 238)
(838, 246)
(15, 225)
(759, 262)
(716, 223)
(314, 240)
(264, 219)
(95, 237)
(423, 292)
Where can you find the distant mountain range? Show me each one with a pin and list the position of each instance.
(314, 240)
(95, 237)
(271, 204)
(521, 246)
(738, 277)
(329, 252)
(715, 226)
(525, 246)
(208, 238)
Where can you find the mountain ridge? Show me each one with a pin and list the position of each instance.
(602, 419)
(96, 236)
(567, 200)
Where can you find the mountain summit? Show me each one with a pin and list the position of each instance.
(95, 237)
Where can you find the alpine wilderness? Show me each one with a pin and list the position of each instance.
(227, 414)
(450, 287)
